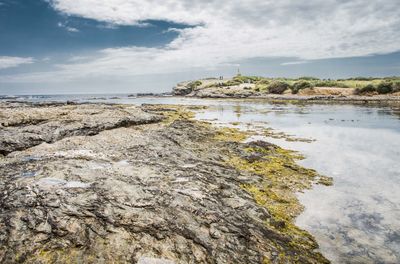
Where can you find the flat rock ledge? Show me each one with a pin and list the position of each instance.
(116, 184)
(26, 125)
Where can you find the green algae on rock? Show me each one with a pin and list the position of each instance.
(282, 178)
(230, 134)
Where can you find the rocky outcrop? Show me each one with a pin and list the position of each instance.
(237, 91)
(26, 125)
(211, 88)
(155, 193)
(182, 89)
(243, 87)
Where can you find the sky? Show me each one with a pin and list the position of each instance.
(127, 46)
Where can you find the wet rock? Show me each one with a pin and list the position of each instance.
(158, 193)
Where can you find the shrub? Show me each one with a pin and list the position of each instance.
(194, 85)
(384, 88)
(246, 79)
(396, 87)
(359, 78)
(263, 82)
(366, 89)
(300, 85)
(231, 83)
(278, 87)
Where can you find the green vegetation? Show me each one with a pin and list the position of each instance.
(365, 90)
(262, 85)
(241, 79)
(194, 85)
(280, 179)
(278, 87)
(231, 83)
(331, 83)
(396, 87)
(297, 86)
(247, 79)
(362, 85)
(384, 88)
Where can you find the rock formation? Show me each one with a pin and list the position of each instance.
(122, 184)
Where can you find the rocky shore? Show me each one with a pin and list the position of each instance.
(96, 183)
(242, 88)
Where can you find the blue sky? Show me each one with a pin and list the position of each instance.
(108, 46)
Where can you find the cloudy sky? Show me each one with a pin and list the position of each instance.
(97, 46)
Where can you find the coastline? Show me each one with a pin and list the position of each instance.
(309, 98)
(301, 89)
(93, 189)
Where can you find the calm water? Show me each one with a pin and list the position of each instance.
(358, 219)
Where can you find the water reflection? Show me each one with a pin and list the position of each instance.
(356, 220)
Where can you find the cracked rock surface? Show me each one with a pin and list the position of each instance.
(26, 125)
(105, 193)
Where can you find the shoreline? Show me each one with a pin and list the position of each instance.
(119, 179)
(301, 89)
(358, 100)
(311, 99)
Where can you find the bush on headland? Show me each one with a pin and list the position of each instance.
(263, 82)
(384, 87)
(278, 87)
(237, 80)
(194, 85)
(246, 79)
(361, 85)
(297, 86)
(365, 90)
(231, 83)
(396, 87)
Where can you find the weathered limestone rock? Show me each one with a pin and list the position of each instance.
(26, 125)
(182, 89)
(154, 193)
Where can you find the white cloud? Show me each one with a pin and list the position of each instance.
(68, 28)
(229, 31)
(10, 62)
(294, 63)
(72, 29)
